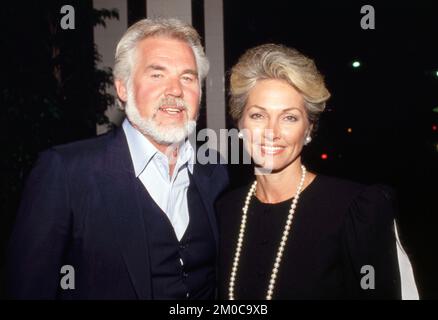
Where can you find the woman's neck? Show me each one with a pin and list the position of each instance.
(280, 186)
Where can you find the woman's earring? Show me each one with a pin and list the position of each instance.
(240, 135)
(308, 139)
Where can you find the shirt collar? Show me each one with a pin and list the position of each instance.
(143, 151)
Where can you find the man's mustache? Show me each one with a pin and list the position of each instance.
(177, 102)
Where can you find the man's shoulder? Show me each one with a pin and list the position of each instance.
(87, 144)
(86, 150)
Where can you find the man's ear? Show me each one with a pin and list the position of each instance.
(121, 89)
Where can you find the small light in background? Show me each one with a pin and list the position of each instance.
(436, 73)
(356, 64)
(324, 156)
(434, 127)
(435, 109)
(349, 130)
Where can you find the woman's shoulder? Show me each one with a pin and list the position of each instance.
(232, 197)
(336, 187)
(336, 184)
(364, 203)
(342, 196)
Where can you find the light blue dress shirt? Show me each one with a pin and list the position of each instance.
(152, 168)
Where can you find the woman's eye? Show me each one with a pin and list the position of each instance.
(291, 118)
(256, 116)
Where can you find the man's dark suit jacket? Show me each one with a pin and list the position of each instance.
(79, 208)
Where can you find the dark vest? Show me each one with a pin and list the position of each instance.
(180, 269)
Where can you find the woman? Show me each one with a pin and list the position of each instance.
(295, 234)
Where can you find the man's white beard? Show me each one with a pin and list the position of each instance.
(161, 134)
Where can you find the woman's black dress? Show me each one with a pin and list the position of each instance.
(339, 230)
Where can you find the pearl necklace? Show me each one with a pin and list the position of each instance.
(282, 243)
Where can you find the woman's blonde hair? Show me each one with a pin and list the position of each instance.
(273, 61)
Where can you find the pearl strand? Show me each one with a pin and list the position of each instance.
(284, 238)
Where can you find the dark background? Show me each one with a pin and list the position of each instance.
(52, 93)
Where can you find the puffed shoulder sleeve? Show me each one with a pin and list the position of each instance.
(369, 245)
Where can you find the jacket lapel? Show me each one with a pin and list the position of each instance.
(118, 188)
(201, 176)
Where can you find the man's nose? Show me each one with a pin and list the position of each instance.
(174, 88)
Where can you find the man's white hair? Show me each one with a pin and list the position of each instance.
(165, 27)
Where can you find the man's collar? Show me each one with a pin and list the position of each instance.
(142, 150)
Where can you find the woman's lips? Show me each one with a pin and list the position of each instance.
(272, 150)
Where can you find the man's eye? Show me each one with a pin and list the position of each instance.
(187, 78)
(156, 75)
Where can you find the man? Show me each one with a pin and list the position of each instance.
(128, 214)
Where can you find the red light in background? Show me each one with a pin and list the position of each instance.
(324, 156)
(434, 127)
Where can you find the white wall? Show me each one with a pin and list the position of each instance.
(181, 9)
(106, 40)
(214, 46)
